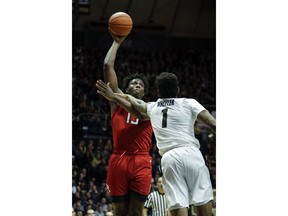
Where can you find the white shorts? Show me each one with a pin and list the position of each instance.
(186, 178)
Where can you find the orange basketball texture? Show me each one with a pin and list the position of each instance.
(120, 24)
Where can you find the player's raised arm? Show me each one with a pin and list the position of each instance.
(108, 67)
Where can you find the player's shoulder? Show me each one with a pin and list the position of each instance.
(185, 101)
(189, 100)
(151, 104)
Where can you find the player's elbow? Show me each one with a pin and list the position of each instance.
(107, 66)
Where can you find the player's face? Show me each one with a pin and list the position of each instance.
(136, 88)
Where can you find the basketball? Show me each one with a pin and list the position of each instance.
(120, 24)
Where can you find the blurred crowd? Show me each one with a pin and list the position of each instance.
(92, 135)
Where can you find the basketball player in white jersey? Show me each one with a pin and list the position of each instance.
(186, 178)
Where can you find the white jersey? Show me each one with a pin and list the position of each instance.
(173, 122)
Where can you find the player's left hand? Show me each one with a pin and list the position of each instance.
(105, 90)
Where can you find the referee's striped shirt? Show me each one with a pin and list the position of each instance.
(157, 202)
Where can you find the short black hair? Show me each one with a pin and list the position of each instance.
(141, 76)
(167, 85)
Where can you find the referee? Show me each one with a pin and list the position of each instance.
(156, 201)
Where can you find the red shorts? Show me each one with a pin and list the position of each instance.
(129, 172)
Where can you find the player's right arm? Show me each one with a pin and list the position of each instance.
(108, 67)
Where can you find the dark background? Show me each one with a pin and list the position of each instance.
(157, 23)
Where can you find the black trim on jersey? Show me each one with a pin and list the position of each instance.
(119, 199)
(137, 196)
(125, 198)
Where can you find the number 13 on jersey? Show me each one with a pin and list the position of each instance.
(130, 120)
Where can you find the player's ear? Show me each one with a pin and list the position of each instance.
(178, 91)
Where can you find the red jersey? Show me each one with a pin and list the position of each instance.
(130, 134)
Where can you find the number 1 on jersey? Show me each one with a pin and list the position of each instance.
(164, 120)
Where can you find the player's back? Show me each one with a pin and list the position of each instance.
(173, 122)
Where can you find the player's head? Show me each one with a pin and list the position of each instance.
(136, 85)
(167, 85)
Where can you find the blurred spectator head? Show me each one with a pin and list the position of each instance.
(109, 207)
(79, 213)
(90, 212)
(109, 213)
(103, 200)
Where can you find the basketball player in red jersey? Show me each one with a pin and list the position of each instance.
(130, 169)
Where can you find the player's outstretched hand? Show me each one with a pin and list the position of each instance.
(105, 90)
(118, 39)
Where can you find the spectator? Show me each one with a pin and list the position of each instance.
(79, 213)
(79, 153)
(99, 211)
(90, 212)
(109, 213)
(95, 195)
(78, 206)
(109, 207)
(104, 204)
